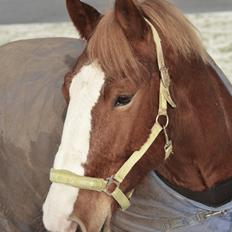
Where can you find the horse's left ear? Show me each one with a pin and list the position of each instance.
(84, 17)
(131, 19)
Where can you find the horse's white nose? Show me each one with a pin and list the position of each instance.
(58, 207)
(59, 225)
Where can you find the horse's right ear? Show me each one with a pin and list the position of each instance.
(84, 17)
(131, 19)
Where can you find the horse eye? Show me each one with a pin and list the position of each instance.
(122, 101)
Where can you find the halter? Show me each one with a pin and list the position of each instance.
(114, 182)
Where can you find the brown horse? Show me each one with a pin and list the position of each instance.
(113, 94)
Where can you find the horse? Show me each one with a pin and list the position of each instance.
(142, 97)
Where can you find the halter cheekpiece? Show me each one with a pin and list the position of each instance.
(114, 182)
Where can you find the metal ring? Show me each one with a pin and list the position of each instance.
(167, 120)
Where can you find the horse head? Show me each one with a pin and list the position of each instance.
(113, 94)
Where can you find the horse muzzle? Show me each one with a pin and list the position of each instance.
(92, 212)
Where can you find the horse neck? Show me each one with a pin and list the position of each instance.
(200, 128)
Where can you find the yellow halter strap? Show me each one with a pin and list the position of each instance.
(105, 185)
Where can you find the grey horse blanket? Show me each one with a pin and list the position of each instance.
(157, 208)
(31, 119)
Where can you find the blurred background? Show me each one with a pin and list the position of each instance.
(24, 19)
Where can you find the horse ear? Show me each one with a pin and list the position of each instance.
(84, 17)
(131, 19)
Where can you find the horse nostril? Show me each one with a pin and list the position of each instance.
(78, 229)
(102, 229)
(80, 225)
(106, 226)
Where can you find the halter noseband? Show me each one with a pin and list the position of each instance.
(113, 182)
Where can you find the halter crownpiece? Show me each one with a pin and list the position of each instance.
(114, 182)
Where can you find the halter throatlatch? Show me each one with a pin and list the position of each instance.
(114, 182)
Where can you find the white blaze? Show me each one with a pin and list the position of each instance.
(84, 94)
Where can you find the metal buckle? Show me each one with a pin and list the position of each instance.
(111, 182)
(163, 68)
(202, 216)
(216, 213)
(165, 76)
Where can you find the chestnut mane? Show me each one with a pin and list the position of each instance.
(113, 51)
